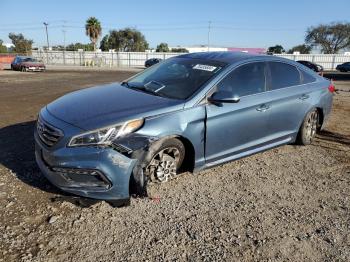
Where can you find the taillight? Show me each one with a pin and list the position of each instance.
(331, 88)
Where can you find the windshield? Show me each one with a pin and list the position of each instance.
(29, 59)
(177, 78)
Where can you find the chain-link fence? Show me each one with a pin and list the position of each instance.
(328, 61)
(111, 59)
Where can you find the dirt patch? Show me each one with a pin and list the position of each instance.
(286, 204)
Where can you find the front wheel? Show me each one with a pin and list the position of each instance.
(24, 69)
(160, 164)
(309, 128)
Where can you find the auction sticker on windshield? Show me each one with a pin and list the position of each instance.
(205, 67)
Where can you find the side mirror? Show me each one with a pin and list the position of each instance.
(223, 97)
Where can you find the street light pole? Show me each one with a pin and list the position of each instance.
(47, 35)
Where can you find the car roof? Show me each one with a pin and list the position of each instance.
(23, 57)
(228, 57)
(305, 61)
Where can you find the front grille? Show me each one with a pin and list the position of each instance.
(48, 134)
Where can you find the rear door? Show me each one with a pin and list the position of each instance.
(233, 129)
(290, 96)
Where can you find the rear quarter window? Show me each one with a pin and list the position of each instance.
(307, 78)
(283, 75)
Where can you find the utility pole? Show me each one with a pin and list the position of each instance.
(64, 39)
(47, 35)
(64, 46)
(64, 33)
(209, 26)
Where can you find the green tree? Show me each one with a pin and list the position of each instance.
(104, 45)
(303, 49)
(162, 47)
(3, 49)
(277, 49)
(330, 38)
(179, 50)
(22, 45)
(76, 46)
(126, 40)
(93, 30)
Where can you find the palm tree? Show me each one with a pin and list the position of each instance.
(93, 30)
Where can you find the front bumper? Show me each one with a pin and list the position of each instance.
(111, 166)
(36, 69)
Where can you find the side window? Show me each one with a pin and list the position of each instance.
(307, 78)
(245, 80)
(283, 75)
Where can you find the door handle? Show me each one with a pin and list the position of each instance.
(263, 108)
(304, 96)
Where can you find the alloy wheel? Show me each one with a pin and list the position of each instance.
(163, 166)
(311, 126)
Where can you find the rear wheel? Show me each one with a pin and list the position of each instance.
(160, 164)
(309, 128)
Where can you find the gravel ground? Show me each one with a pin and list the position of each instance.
(287, 204)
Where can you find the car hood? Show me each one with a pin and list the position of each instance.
(32, 63)
(101, 106)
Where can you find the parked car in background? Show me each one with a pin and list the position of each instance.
(152, 61)
(315, 67)
(189, 112)
(345, 67)
(27, 63)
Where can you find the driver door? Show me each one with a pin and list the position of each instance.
(237, 128)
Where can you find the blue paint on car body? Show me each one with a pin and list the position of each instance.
(262, 118)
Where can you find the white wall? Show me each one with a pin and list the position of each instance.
(137, 59)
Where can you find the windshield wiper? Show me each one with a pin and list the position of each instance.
(144, 88)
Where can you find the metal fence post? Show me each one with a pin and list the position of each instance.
(333, 62)
(129, 59)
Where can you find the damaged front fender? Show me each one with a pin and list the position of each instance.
(137, 147)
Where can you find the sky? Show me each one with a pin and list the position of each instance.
(244, 23)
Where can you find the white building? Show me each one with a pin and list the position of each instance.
(200, 48)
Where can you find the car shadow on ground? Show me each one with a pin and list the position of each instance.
(17, 154)
(334, 137)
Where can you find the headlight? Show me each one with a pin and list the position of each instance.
(104, 136)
